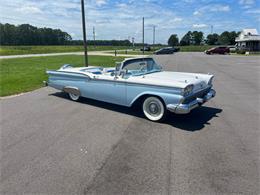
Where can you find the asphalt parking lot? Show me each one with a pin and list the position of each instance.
(51, 145)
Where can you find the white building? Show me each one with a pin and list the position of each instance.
(248, 40)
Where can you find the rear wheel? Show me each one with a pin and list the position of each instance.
(74, 97)
(154, 109)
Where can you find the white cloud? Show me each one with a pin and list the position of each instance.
(122, 5)
(196, 13)
(253, 11)
(199, 25)
(212, 8)
(188, 1)
(246, 2)
(177, 19)
(101, 2)
(219, 8)
(29, 10)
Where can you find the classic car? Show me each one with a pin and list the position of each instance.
(218, 50)
(136, 79)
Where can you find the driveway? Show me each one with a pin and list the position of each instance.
(51, 145)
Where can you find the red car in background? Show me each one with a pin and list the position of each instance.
(218, 50)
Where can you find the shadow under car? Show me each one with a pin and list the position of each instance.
(194, 121)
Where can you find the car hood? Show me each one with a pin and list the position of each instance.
(175, 79)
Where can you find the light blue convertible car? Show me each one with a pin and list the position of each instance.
(136, 79)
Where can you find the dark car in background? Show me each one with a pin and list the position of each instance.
(166, 50)
(146, 48)
(218, 50)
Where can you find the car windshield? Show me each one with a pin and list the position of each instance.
(141, 66)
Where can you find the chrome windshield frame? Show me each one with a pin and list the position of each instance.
(156, 67)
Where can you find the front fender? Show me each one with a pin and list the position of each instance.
(168, 98)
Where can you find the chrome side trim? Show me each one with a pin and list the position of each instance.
(135, 83)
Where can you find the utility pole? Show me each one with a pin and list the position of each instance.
(84, 32)
(153, 35)
(143, 35)
(94, 36)
(211, 27)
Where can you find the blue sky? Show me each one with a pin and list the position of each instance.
(122, 19)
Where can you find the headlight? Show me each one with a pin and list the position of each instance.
(188, 90)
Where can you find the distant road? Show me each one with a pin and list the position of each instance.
(93, 53)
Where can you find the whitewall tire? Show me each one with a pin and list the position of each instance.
(74, 97)
(154, 109)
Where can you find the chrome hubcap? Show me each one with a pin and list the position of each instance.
(153, 108)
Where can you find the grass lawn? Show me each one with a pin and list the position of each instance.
(18, 50)
(26, 74)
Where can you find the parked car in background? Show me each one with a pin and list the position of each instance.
(218, 50)
(146, 48)
(166, 50)
(232, 49)
(136, 80)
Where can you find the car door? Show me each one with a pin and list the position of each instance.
(216, 50)
(109, 88)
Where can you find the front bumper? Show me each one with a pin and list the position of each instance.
(186, 108)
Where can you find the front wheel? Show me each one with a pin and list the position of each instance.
(154, 109)
(74, 97)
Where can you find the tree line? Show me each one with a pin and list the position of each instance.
(197, 38)
(26, 34)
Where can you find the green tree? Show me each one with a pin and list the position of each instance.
(186, 39)
(192, 38)
(8, 34)
(173, 40)
(197, 37)
(26, 34)
(224, 38)
(232, 37)
(212, 39)
(228, 38)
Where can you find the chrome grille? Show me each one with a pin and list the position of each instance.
(196, 95)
